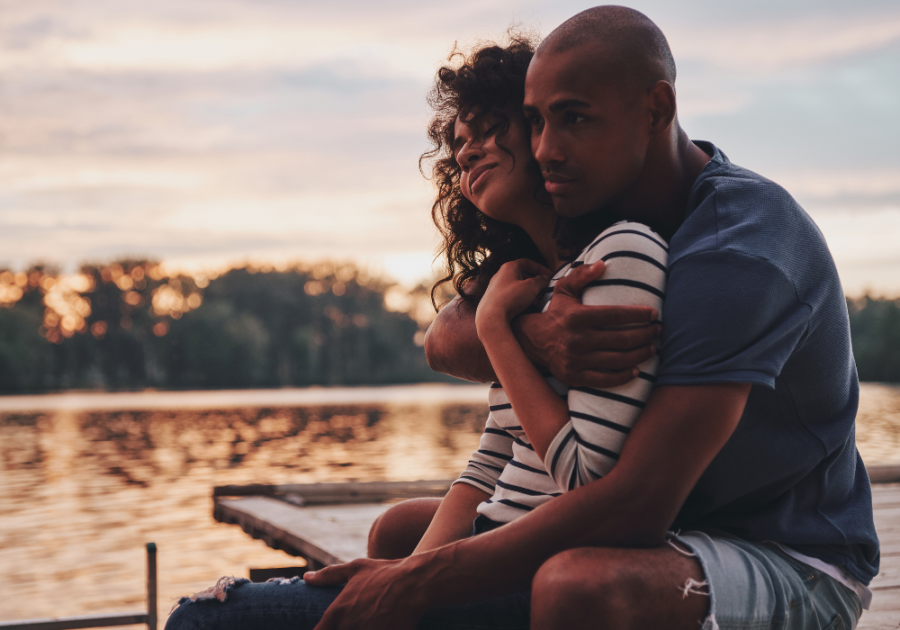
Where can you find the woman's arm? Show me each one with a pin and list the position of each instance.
(541, 412)
(453, 519)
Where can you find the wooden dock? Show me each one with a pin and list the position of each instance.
(329, 524)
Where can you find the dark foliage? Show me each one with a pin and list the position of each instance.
(325, 325)
(875, 328)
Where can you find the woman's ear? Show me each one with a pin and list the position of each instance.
(662, 107)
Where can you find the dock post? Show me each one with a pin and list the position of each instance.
(151, 586)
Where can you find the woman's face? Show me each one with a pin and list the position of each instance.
(499, 181)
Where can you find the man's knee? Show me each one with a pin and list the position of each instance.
(574, 578)
(396, 532)
(575, 588)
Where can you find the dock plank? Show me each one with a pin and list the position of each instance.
(326, 535)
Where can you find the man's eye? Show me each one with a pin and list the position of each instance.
(574, 117)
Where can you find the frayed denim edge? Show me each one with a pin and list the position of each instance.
(219, 591)
(691, 586)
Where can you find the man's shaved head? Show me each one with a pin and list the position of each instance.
(636, 50)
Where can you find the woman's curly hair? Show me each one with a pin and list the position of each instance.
(490, 79)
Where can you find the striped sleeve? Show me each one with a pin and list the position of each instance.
(599, 419)
(494, 452)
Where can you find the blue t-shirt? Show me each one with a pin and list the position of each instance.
(754, 297)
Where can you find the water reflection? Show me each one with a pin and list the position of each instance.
(80, 492)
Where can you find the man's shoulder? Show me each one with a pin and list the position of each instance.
(733, 209)
(740, 220)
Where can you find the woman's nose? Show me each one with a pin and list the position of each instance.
(470, 153)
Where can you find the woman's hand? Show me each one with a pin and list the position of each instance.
(512, 289)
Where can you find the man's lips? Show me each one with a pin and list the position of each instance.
(476, 174)
(557, 184)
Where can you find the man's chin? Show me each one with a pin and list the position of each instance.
(571, 208)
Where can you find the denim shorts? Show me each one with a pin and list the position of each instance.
(756, 585)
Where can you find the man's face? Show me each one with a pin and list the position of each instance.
(588, 134)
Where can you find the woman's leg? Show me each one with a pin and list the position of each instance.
(397, 531)
(292, 605)
(282, 604)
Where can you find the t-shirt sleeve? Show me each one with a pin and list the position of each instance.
(730, 317)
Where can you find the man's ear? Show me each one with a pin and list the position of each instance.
(662, 108)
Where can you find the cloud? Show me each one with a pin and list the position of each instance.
(772, 46)
(215, 130)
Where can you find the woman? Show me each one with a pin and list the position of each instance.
(499, 240)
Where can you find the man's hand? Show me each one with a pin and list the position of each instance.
(588, 346)
(582, 346)
(377, 596)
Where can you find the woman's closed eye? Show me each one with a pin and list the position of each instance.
(492, 130)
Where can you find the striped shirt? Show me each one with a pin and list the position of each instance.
(587, 447)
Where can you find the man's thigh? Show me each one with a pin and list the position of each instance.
(714, 581)
(609, 588)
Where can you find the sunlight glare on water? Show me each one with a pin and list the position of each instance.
(82, 491)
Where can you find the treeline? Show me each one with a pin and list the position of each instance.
(875, 329)
(127, 325)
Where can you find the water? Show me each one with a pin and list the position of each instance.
(85, 480)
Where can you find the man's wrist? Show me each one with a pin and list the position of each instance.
(420, 578)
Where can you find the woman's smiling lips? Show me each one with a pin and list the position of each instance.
(476, 174)
(557, 184)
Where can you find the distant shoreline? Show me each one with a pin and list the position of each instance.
(426, 393)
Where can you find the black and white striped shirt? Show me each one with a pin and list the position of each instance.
(588, 447)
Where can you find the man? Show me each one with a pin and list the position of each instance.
(748, 436)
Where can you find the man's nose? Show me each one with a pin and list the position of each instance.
(546, 147)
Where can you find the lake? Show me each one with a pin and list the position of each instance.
(87, 479)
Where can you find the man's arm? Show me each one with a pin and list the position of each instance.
(677, 436)
(452, 345)
(584, 346)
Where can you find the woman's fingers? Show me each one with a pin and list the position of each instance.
(529, 267)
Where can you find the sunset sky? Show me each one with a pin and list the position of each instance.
(213, 132)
